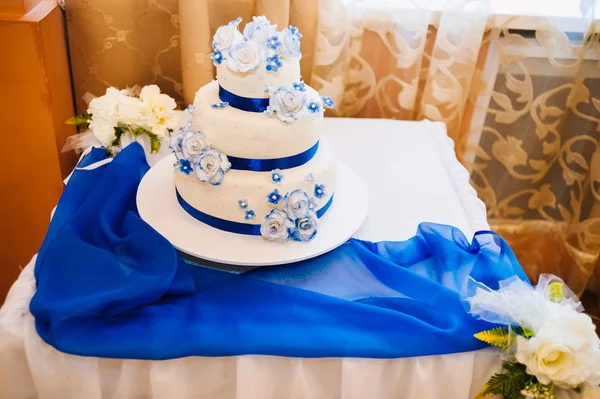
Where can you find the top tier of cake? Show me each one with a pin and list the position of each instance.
(259, 57)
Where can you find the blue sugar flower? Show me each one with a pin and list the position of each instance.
(312, 204)
(276, 176)
(176, 144)
(300, 86)
(310, 178)
(190, 110)
(294, 31)
(306, 228)
(320, 191)
(250, 215)
(185, 166)
(276, 226)
(314, 107)
(243, 204)
(217, 57)
(273, 63)
(274, 197)
(273, 42)
(329, 103)
(220, 105)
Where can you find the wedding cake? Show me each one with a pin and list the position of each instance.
(250, 157)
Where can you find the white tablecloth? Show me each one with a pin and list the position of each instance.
(423, 181)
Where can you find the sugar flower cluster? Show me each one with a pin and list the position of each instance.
(260, 43)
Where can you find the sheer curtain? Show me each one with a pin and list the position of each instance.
(516, 82)
(520, 96)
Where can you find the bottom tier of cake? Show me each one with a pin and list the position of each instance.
(247, 197)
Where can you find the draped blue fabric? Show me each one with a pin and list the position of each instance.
(108, 285)
(228, 225)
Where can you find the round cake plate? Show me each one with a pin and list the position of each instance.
(158, 206)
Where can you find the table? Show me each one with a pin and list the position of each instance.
(423, 182)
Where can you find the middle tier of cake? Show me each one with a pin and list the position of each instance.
(253, 135)
(255, 189)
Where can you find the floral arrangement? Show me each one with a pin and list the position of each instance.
(548, 344)
(259, 43)
(294, 218)
(289, 102)
(194, 153)
(121, 117)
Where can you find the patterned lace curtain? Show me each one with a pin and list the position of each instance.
(520, 95)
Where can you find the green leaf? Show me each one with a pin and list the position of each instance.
(508, 385)
(555, 292)
(497, 336)
(80, 120)
(523, 331)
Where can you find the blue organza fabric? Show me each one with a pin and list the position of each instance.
(108, 285)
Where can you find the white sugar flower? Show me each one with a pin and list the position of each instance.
(565, 350)
(287, 103)
(290, 44)
(161, 107)
(276, 226)
(260, 29)
(306, 227)
(194, 143)
(295, 204)
(244, 56)
(210, 166)
(226, 35)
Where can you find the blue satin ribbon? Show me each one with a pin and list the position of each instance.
(228, 225)
(243, 103)
(267, 165)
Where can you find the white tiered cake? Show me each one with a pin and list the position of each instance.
(251, 159)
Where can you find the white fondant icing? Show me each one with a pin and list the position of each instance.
(254, 187)
(252, 84)
(258, 136)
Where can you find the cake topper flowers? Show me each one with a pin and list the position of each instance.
(259, 43)
(120, 117)
(548, 344)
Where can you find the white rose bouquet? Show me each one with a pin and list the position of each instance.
(121, 117)
(550, 347)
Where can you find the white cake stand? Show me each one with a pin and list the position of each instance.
(158, 206)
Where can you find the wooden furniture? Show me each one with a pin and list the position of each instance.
(35, 100)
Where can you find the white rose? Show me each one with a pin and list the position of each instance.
(161, 110)
(244, 56)
(226, 35)
(260, 29)
(565, 350)
(104, 110)
(132, 111)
